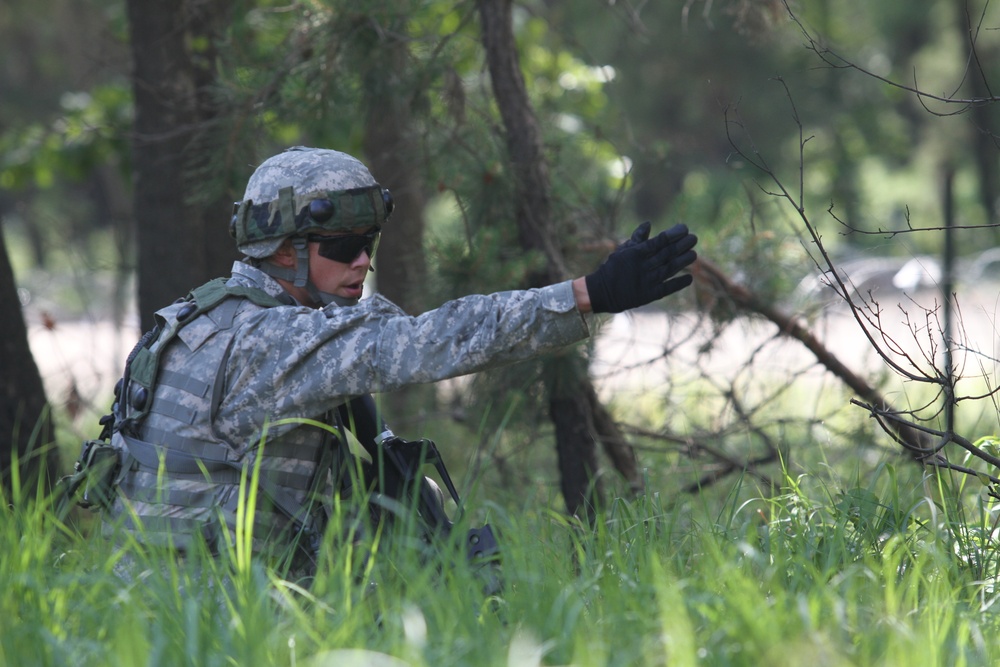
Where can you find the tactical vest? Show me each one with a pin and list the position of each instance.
(179, 479)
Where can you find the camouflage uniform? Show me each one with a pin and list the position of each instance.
(233, 381)
(246, 368)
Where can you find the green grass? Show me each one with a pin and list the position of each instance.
(848, 576)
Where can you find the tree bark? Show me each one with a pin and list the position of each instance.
(985, 135)
(392, 154)
(569, 392)
(182, 218)
(524, 140)
(985, 140)
(25, 426)
(575, 412)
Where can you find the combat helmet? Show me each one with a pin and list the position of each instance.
(304, 190)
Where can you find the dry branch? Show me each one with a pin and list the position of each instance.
(711, 278)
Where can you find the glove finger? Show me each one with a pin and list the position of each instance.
(659, 273)
(640, 234)
(685, 243)
(676, 232)
(667, 253)
(673, 285)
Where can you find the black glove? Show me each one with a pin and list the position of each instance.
(637, 272)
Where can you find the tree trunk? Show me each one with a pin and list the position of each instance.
(392, 154)
(524, 140)
(570, 410)
(571, 397)
(985, 137)
(181, 216)
(25, 426)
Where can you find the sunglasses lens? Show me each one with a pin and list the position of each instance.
(345, 249)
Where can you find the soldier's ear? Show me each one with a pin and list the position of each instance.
(284, 255)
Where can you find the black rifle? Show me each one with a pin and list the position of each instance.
(400, 484)
(400, 478)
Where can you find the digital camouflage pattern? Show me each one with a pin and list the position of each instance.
(283, 185)
(241, 375)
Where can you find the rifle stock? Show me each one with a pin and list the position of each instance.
(401, 476)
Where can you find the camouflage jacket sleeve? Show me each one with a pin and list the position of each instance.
(295, 361)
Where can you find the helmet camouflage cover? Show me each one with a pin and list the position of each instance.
(305, 189)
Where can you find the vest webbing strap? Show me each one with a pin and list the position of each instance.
(177, 462)
(143, 368)
(194, 458)
(224, 476)
(209, 454)
(184, 383)
(165, 526)
(205, 498)
(173, 410)
(170, 440)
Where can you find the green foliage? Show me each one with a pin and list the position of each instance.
(855, 575)
(648, 90)
(58, 159)
(91, 131)
(862, 572)
(487, 257)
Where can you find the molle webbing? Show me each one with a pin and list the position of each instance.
(143, 366)
(169, 469)
(181, 465)
(196, 457)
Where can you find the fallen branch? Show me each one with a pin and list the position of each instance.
(710, 277)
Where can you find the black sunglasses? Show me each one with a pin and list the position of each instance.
(345, 248)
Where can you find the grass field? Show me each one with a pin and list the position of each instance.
(841, 577)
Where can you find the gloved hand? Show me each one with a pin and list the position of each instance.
(640, 270)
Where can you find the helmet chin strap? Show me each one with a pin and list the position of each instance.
(300, 276)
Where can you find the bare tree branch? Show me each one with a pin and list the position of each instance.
(705, 271)
(837, 61)
(907, 427)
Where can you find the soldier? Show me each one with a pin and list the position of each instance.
(269, 365)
